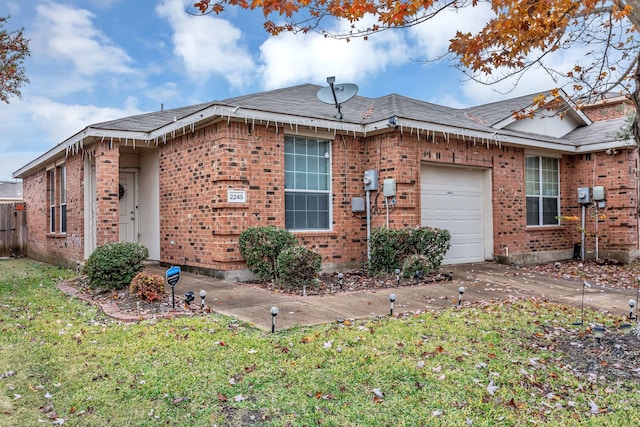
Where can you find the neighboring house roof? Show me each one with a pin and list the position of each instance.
(299, 106)
(10, 191)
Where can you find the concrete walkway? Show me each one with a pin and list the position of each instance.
(482, 281)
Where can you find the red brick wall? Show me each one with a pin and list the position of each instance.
(55, 248)
(199, 228)
(107, 156)
(196, 171)
(609, 110)
(618, 221)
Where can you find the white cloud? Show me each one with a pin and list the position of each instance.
(60, 121)
(11, 162)
(433, 35)
(208, 45)
(299, 58)
(68, 34)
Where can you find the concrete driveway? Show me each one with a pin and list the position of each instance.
(482, 281)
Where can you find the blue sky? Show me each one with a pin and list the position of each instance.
(97, 60)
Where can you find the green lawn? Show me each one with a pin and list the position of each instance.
(63, 362)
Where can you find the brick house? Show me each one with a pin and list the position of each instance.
(186, 182)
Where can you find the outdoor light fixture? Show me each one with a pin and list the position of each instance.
(203, 294)
(461, 290)
(189, 297)
(598, 332)
(340, 279)
(392, 299)
(632, 303)
(418, 274)
(397, 271)
(274, 313)
(625, 328)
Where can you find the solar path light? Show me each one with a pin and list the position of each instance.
(392, 299)
(461, 291)
(397, 271)
(632, 303)
(189, 297)
(203, 294)
(340, 279)
(598, 332)
(274, 313)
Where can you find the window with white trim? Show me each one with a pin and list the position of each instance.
(307, 183)
(543, 190)
(51, 185)
(62, 182)
(57, 200)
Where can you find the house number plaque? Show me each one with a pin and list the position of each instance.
(236, 196)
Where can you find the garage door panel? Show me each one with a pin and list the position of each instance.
(453, 199)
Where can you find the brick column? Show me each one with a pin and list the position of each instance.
(107, 205)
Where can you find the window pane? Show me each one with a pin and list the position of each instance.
(52, 187)
(532, 176)
(312, 164)
(550, 211)
(301, 181)
(533, 211)
(52, 219)
(312, 181)
(63, 184)
(63, 218)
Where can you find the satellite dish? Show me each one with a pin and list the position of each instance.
(337, 93)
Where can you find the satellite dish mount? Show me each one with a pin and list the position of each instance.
(337, 94)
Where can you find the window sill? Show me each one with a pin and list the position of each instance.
(544, 227)
(314, 233)
(56, 235)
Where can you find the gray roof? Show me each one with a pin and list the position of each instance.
(302, 100)
(149, 121)
(494, 112)
(597, 133)
(300, 104)
(10, 190)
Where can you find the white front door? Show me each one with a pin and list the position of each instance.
(127, 195)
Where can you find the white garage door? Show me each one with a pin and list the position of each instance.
(453, 199)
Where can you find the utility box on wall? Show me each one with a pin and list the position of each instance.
(389, 187)
(370, 180)
(357, 204)
(598, 193)
(583, 195)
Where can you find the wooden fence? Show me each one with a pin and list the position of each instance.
(13, 229)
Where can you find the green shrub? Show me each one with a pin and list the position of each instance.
(386, 249)
(389, 249)
(414, 264)
(147, 286)
(260, 247)
(431, 243)
(113, 266)
(298, 266)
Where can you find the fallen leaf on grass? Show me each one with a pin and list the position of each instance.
(595, 409)
(222, 397)
(491, 388)
(378, 395)
(239, 398)
(178, 400)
